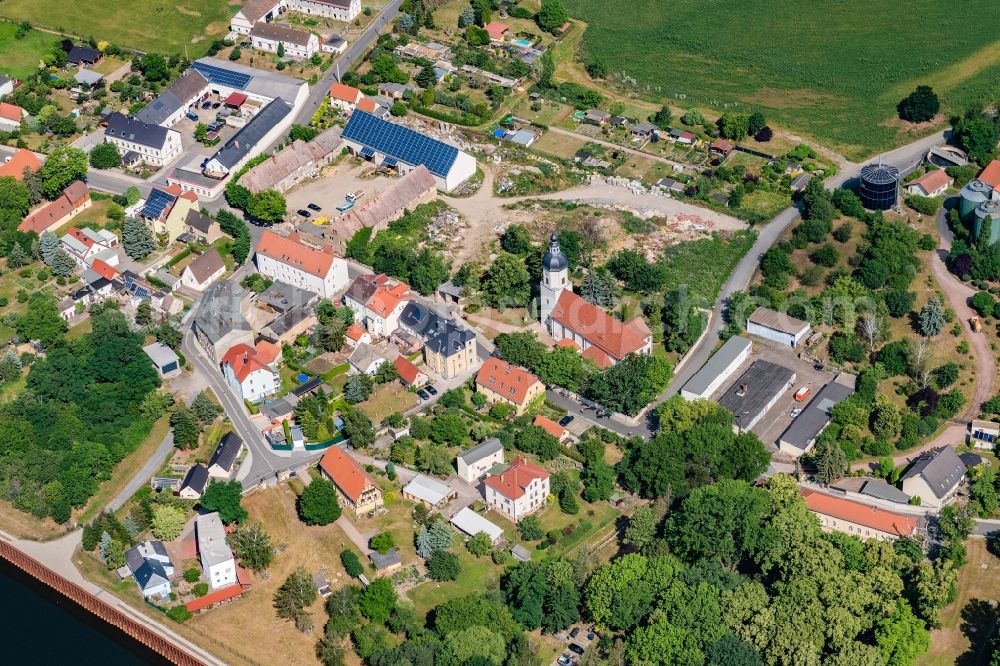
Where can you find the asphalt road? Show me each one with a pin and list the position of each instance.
(143, 476)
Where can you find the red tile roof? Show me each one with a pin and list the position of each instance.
(80, 236)
(236, 99)
(54, 212)
(18, 162)
(385, 299)
(616, 339)
(346, 474)
(859, 514)
(566, 342)
(243, 359)
(11, 112)
(355, 332)
(513, 481)
(291, 251)
(597, 357)
(266, 351)
(407, 371)
(496, 29)
(721, 145)
(991, 174)
(932, 180)
(225, 594)
(368, 105)
(688, 136)
(510, 381)
(104, 269)
(550, 426)
(345, 93)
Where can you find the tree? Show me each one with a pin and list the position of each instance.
(186, 428)
(920, 105)
(641, 529)
(734, 126)
(318, 504)
(137, 239)
(252, 546)
(351, 563)
(267, 205)
(358, 388)
(932, 587)
(204, 407)
(516, 239)
(17, 257)
(426, 77)
(546, 70)
(598, 68)
(443, 565)
(551, 16)
(899, 302)
(756, 123)
(144, 314)
(41, 321)
(61, 263)
(480, 544)
(14, 196)
(621, 593)
(378, 600)
(475, 645)
(507, 282)
(302, 133)
(467, 17)
(433, 538)
(154, 67)
(62, 166)
(530, 529)
(382, 542)
(662, 118)
(357, 427)
(600, 288)
(224, 498)
(901, 637)
(830, 461)
(168, 522)
(297, 592)
(235, 54)
(932, 317)
(105, 156)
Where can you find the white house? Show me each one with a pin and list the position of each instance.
(289, 260)
(151, 567)
(519, 490)
(864, 521)
(203, 271)
(935, 477)
(250, 378)
(223, 461)
(931, 184)
(471, 523)
(365, 359)
(338, 10)
(83, 245)
(6, 86)
(297, 44)
(377, 302)
(11, 116)
(195, 482)
(255, 11)
(154, 144)
(473, 464)
(777, 326)
(216, 557)
(345, 97)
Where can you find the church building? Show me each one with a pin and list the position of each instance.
(575, 322)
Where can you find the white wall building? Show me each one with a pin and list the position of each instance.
(256, 11)
(519, 490)
(287, 259)
(777, 326)
(338, 10)
(297, 44)
(216, 557)
(249, 377)
(154, 144)
(718, 369)
(473, 464)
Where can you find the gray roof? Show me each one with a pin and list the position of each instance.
(521, 553)
(778, 321)
(286, 321)
(420, 319)
(79, 54)
(207, 265)
(364, 356)
(763, 380)
(804, 430)
(282, 297)
(484, 450)
(281, 33)
(391, 558)
(246, 139)
(451, 340)
(136, 131)
(644, 128)
(174, 98)
(212, 539)
(196, 479)
(472, 524)
(149, 574)
(427, 489)
(280, 407)
(219, 312)
(160, 354)
(88, 76)
(879, 489)
(259, 82)
(225, 453)
(941, 470)
(198, 220)
(719, 361)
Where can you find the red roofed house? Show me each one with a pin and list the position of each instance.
(345, 97)
(720, 147)
(10, 116)
(554, 429)
(74, 199)
(289, 260)
(496, 30)
(18, 162)
(502, 382)
(369, 105)
(250, 377)
(356, 489)
(104, 269)
(377, 302)
(991, 175)
(520, 489)
(603, 339)
(931, 184)
(861, 520)
(409, 374)
(355, 335)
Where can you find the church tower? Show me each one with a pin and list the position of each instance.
(555, 278)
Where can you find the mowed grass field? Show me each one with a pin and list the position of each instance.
(832, 70)
(148, 25)
(19, 57)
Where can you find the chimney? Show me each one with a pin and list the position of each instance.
(246, 357)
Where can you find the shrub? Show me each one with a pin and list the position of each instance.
(201, 589)
(443, 566)
(179, 614)
(351, 563)
(192, 575)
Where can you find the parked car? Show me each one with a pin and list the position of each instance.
(575, 648)
(564, 660)
(192, 115)
(430, 389)
(216, 105)
(566, 420)
(303, 212)
(591, 635)
(802, 394)
(575, 632)
(423, 394)
(206, 105)
(314, 207)
(796, 412)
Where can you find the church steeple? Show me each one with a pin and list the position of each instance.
(555, 278)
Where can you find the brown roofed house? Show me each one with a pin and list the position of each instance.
(502, 382)
(356, 489)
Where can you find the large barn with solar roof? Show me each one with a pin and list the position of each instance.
(403, 149)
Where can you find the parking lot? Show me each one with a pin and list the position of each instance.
(774, 422)
(186, 128)
(330, 190)
(582, 639)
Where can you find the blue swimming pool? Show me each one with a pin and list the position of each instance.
(523, 43)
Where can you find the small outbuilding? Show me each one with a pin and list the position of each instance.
(777, 326)
(471, 523)
(163, 357)
(428, 491)
(385, 563)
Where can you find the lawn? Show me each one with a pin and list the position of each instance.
(19, 57)
(152, 25)
(970, 616)
(477, 574)
(388, 398)
(559, 145)
(839, 78)
(702, 266)
(26, 526)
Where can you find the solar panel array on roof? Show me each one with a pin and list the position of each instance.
(400, 142)
(222, 76)
(157, 202)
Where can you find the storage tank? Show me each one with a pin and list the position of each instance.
(990, 209)
(973, 195)
(879, 186)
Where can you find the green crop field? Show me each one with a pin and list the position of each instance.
(834, 70)
(147, 25)
(19, 57)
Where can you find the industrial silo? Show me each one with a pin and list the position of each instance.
(974, 194)
(990, 209)
(879, 186)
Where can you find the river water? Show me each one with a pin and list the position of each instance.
(40, 626)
